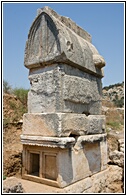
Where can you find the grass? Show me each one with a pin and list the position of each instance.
(4, 177)
(114, 119)
(114, 125)
(21, 94)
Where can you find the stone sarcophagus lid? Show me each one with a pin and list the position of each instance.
(63, 135)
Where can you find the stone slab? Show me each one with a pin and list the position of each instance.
(60, 124)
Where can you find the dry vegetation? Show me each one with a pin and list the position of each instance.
(114, 116)
(14, 106)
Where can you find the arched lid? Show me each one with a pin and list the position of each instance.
(56, 39)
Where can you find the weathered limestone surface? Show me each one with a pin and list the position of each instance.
(117, 158)
(68, 22)
(62, 88)
(12, 185)
(63, 137)
(54, 39)
(121, 145)
(107, 181)
(61, 142)
(60, 124)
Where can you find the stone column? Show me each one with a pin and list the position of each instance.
(63, 131)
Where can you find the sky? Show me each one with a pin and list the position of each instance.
(103, 21)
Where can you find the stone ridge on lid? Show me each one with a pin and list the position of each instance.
(68, 22)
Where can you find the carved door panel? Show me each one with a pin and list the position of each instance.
(34, 164)
(50, 167)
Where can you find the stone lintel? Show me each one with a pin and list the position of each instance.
(53, 142)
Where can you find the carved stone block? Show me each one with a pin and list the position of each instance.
(60, 124)
(62, 88)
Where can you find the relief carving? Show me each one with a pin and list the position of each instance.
(43, 40)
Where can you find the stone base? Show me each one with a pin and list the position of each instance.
(63, 161)
(107, 181)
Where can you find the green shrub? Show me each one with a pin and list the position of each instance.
(22, 109)
(119, 102)
(12, 105)
(4, 177)
(114, 125)
(113, 85)
(21, 94)
(18, 112)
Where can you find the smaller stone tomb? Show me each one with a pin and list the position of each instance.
(63, 135)
(62, 161)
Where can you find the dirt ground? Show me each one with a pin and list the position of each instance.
(12, 149)
(30, 186)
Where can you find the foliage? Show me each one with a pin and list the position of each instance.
(114, 119)
(4, 177)
(119, 102)
(19, 110)
(21, 94)
(6, 87)
(114, 125)
(12, 105)
(113, 85)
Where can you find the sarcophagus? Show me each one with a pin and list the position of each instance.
(63, 135)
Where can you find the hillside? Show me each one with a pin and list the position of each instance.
(114, 94)
(113, 107)
(13, 110)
